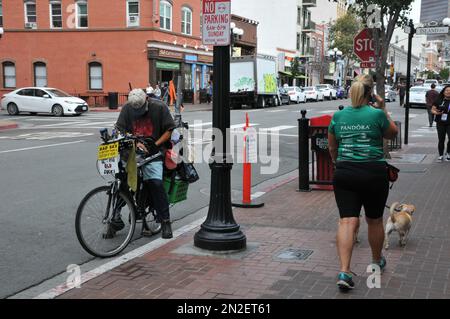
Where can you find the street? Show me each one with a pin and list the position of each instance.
(48, 164)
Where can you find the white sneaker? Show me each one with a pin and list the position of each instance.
(440, 159)
(447, 157)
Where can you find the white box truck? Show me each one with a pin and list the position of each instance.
(253, 81)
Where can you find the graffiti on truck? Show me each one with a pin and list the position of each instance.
(244, 84)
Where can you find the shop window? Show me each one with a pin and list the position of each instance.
(186, 21)
(55, 15)
(165, 15)
(40, 74)
(187, 70)
(9, 75)
(95, 76)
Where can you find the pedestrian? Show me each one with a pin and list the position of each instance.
(360, 180)
(149, 90)
(430, 98)
(149, 119)
(157, 92)
(209, 92)
(165, 93)
(401, 92)
(441, 109)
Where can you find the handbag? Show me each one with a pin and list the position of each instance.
(392, 172)
(187, 172)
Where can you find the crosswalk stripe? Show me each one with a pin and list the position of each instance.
(97, 123)
(61, 124)
(276, 111)
(281, 127)
(200, 124)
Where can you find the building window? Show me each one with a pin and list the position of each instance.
(132, 13)
(95, 76)
(1, 14)
(165, 15)
(40, 74)
(9, 75)
(30, 12)
(186, 21)
(299, 16)
(82, 14)
(298, 41)
(55, 15)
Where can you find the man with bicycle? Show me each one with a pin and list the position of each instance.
(151, 119)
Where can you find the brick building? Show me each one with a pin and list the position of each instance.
(90, 48)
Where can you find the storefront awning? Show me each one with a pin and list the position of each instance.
(290, 75)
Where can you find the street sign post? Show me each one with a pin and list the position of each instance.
(216, 22)
(369, 65)
(364, 47)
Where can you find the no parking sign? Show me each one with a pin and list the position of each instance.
(216, 22)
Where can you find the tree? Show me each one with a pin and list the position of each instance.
(295, 67)
(444, 74)
(382, 16)
(342, 33)
(391, 14)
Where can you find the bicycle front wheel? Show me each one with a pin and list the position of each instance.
(104, 224)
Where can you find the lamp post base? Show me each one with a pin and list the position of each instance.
(220, 239)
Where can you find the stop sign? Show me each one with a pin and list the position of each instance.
(364, 46)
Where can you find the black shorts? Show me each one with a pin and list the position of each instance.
(361, 184)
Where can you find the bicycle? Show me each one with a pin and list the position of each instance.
(101, 214)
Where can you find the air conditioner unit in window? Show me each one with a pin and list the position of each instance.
(31, 25)
(133, 21)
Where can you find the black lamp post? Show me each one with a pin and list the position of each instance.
(220, 232)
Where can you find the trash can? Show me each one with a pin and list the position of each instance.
(113, 100)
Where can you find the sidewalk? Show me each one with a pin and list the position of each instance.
(291, 250)
(187, 108)
(6, 125)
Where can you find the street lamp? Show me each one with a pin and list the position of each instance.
(335, 55)
(446, 21)
(1, 32)
(236, 34)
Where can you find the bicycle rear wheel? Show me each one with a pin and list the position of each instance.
(93, 222)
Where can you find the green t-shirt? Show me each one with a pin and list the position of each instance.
(359, 133)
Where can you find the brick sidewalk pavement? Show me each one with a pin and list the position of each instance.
(292, 221)
(187, 108)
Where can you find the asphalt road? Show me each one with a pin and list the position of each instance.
(48, 164)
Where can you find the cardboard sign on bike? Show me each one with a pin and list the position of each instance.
(108, 159)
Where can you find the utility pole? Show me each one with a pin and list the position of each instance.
(411, 31)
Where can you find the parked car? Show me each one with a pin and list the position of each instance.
(390, 95)
(429, 82)
(312, 93)
(329, 91)
(296, 94)
(42, 100)
(341, 92)
(283, 97)
(417, 96)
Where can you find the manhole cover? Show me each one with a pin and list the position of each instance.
(295, 254)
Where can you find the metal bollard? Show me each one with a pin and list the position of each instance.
(303, 153)
(341, 107)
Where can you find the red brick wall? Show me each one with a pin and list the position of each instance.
(122, 51)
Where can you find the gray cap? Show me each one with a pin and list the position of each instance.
(137, 98)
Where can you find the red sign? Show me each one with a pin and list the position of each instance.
(369, 65)
(216, 22)
(364, 46)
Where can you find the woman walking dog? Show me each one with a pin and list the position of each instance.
(356, 146)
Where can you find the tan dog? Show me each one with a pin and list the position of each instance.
(399, 221)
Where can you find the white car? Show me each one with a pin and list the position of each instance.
(417, 96)
(42, 100)
(429, 82)
(328, 91)
(312, 93)
(389, 94)
(296, 94)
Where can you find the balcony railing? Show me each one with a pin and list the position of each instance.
(310, 3)
(309, 27)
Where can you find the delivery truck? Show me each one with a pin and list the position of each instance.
(253, 81)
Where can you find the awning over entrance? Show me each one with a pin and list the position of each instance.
(290, 75)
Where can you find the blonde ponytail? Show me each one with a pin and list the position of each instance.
(360, 90)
